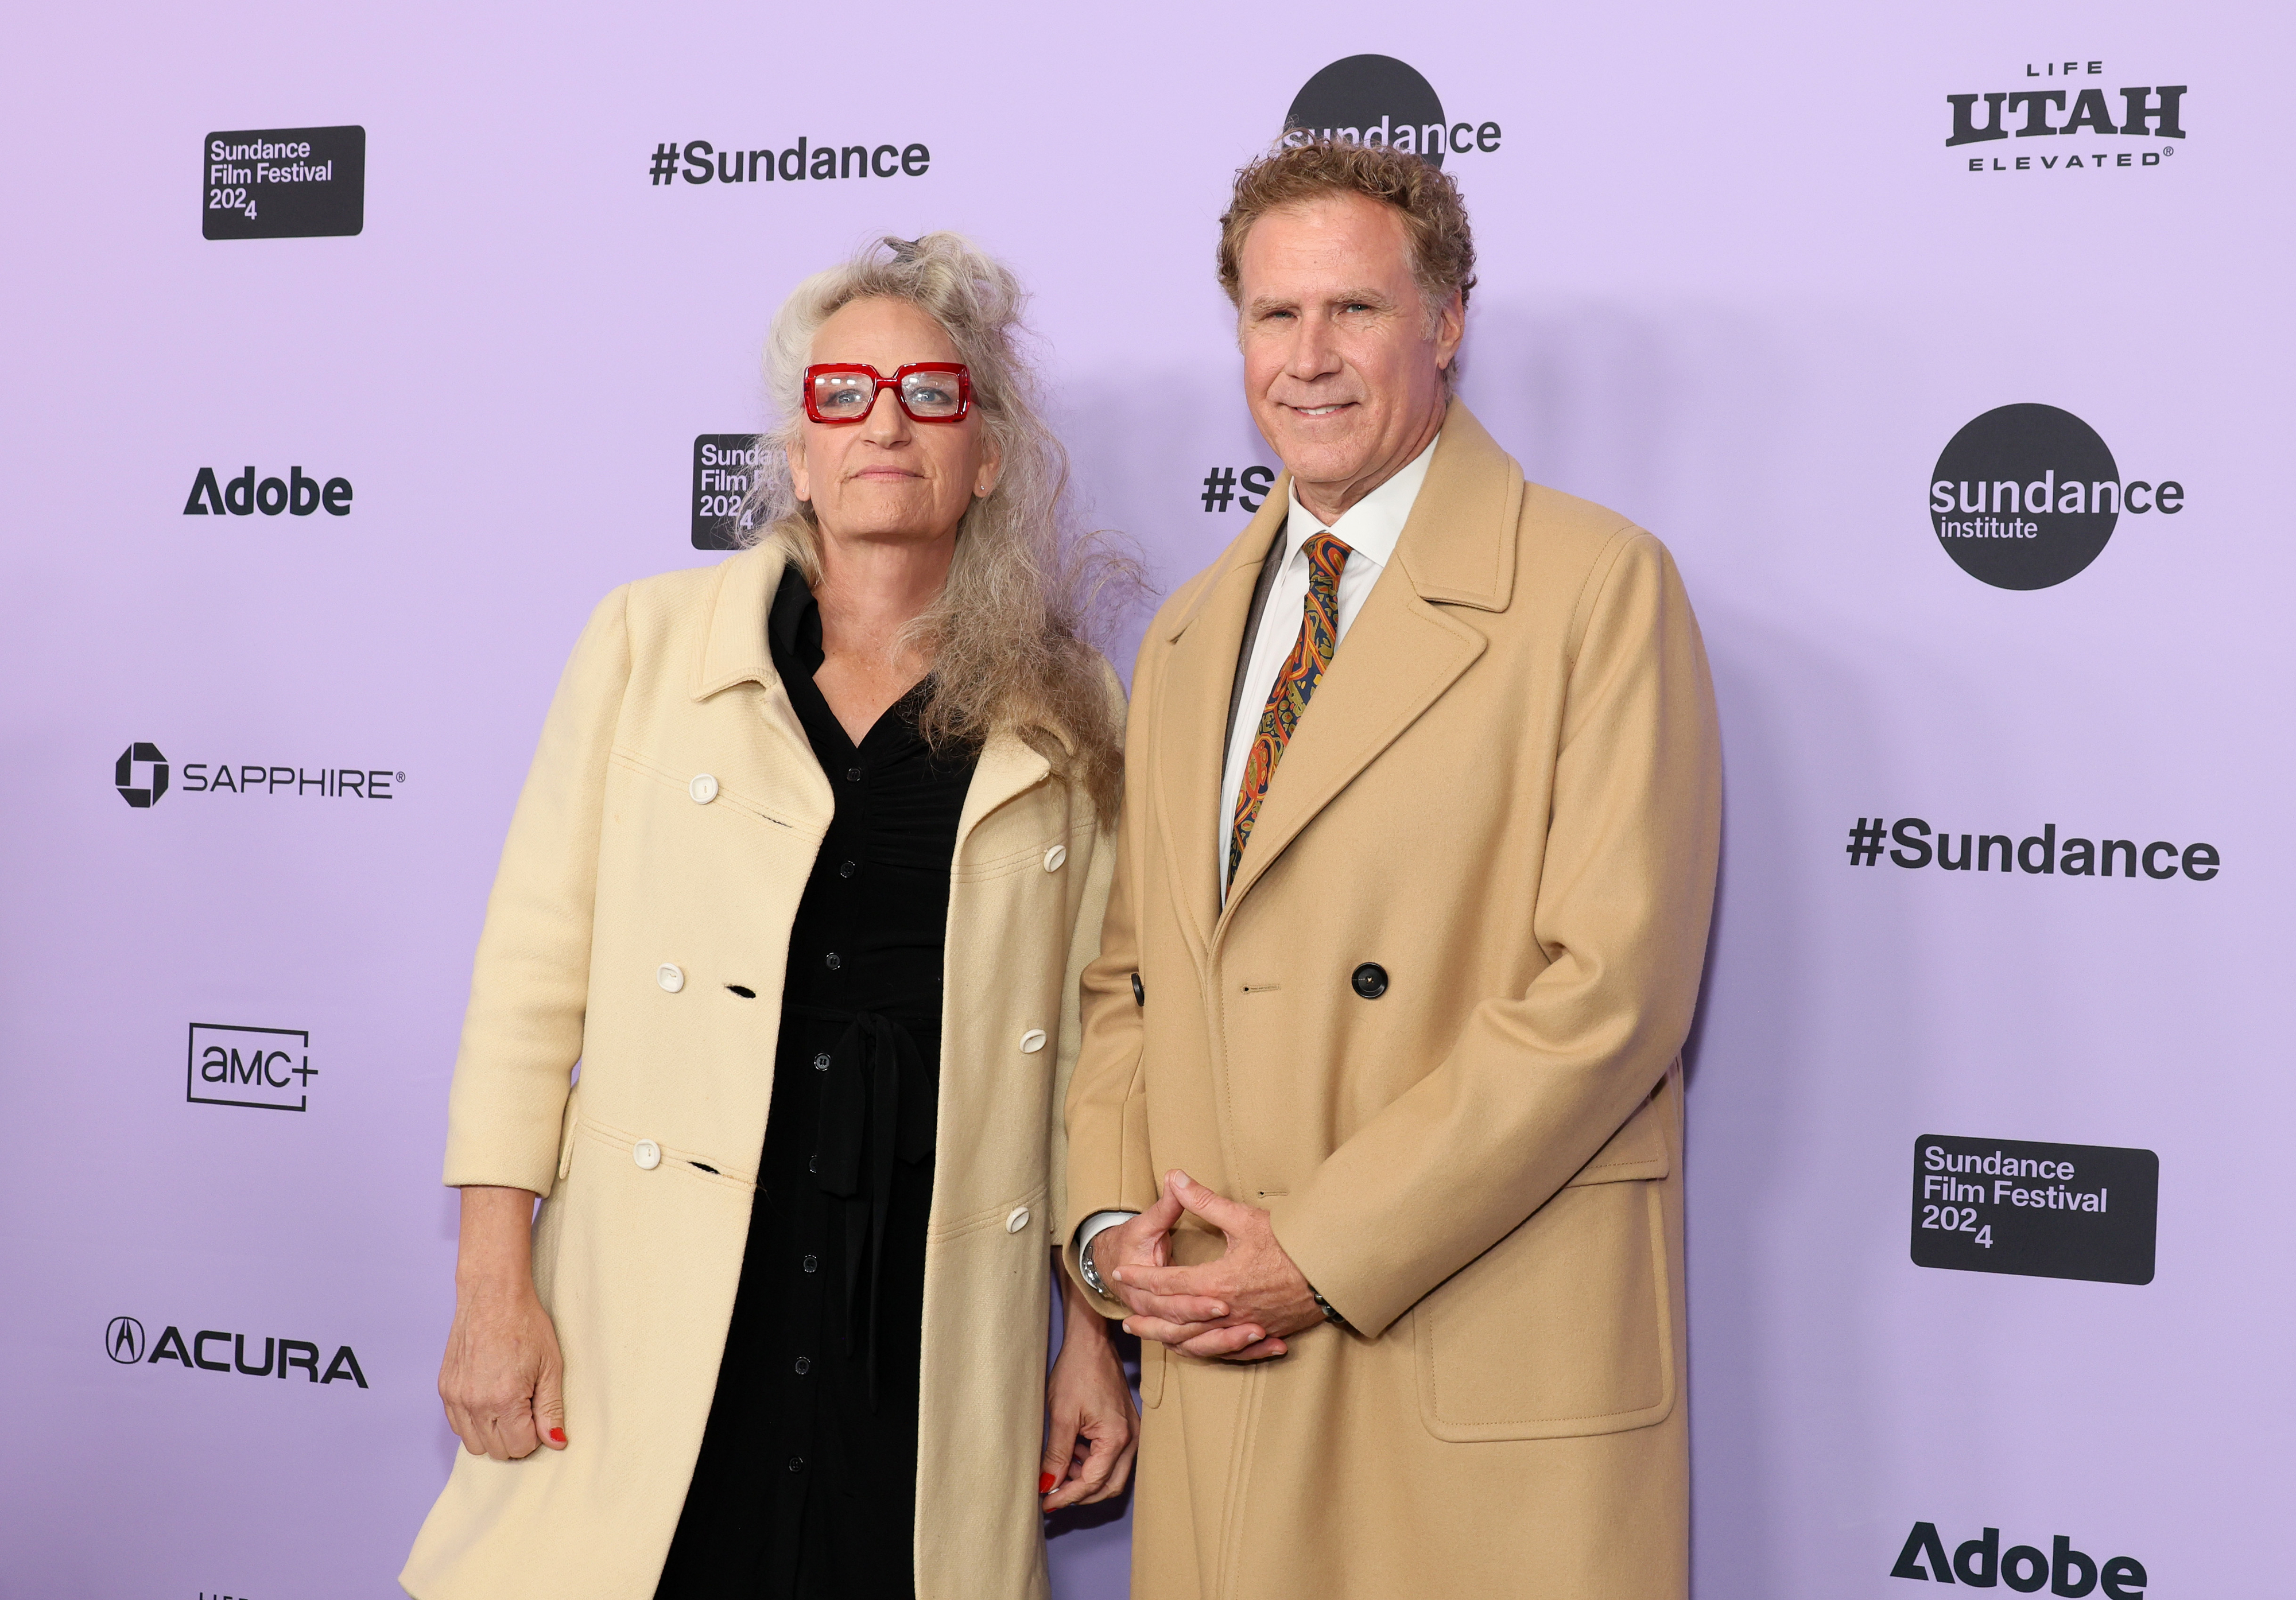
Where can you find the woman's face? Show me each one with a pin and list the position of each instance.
(888, 478)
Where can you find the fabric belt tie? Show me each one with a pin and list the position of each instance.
(867, 1125)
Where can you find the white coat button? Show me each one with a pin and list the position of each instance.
(646, 1154)
(670, 976)
(703, 789)
(1032, 1041)
(1018, 1220)
(1054, 856)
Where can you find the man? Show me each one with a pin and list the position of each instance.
(1375, 1138)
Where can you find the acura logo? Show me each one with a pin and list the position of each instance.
(123, 1340)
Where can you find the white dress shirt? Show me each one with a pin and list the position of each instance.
(1369, 529)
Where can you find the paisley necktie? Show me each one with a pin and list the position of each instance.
(1303, 669)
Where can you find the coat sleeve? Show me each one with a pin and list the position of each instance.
(1536, 1082)
(1107, 1110)
(529, 984)
(1084, 948)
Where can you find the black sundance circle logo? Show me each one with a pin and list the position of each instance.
(1371, 100)
(2025, 496)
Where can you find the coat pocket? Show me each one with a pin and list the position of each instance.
(1565, 1327)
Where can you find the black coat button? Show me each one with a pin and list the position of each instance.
(1139, 994)
(1369, 980)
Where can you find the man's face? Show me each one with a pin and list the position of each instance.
(1340, 367)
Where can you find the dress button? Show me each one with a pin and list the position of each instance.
(1018, 1220)
(703, 789)
(646, 1154)
(1139, 991)
(813, 1263)
(834, 961)
(796, 1464)
(848, 869)
(1032, 1041)
(821, 1061)
(853, 775)
(1054, 856)
(670, 976)
(1369, 980)
(804, 1365)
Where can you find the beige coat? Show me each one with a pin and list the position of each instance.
(1505, 792)
(621, 866)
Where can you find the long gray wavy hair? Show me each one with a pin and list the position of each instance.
(1010, 638)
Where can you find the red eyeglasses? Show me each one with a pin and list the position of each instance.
(927, 391)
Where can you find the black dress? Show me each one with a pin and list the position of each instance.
(806, 1481)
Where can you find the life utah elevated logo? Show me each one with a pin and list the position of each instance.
(2088, 111)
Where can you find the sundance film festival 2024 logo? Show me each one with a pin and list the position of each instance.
(2056, 100)
(2026, 496)
(1378, 99)
(142, 776)
(724, 472)
(283, 182)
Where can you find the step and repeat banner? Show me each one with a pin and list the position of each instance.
(353, 356)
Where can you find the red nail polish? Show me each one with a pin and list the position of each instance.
(557, 1436)
(1045, 1484)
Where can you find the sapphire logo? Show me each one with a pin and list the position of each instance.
(123, 1340)
(141, 775)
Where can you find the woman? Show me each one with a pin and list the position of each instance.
(815, 844)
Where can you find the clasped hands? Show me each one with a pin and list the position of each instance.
(1241, 1307)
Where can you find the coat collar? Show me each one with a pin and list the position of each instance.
(736, 650)
(1402, 652)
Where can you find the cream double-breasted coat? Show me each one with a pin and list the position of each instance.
(1506, 793)
(657, 857)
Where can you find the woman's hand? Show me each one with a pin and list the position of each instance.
(502, 1377)
(1094, 1429)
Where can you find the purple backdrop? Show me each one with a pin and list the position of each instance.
(1735, 283)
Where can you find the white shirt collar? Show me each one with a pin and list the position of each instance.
(1372, 524)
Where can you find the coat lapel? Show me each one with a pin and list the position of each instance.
(1190, 735)
(1008, 768)
(734, 650)
(1403, 651)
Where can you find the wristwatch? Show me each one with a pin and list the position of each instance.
(1088, 1271)
(1331, 1312)
(1089, 1229)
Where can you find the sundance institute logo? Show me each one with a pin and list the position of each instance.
(1378, 100)
(2026, 496)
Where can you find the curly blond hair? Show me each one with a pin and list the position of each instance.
(1434, 218)
(1010, 639)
